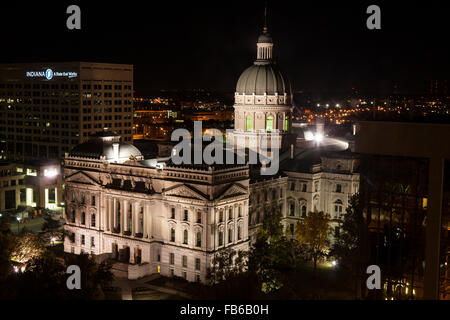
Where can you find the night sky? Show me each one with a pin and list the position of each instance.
(322, 46)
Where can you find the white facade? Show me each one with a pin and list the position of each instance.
(327, 187)
(170, 221)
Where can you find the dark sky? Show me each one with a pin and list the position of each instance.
(322, 46)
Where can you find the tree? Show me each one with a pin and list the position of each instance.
(227, 263)
(6, 248)
(312, 232)
(28, 246)
(94, 277)
(347, 247)
(272, 257)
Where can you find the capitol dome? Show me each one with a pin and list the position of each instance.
(106, 145)
(263, 78)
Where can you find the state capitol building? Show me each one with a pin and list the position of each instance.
(154, 216)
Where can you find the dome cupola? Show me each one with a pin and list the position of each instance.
(264, 78)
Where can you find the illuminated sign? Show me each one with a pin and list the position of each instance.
(50, 74)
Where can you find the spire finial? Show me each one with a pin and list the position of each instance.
(265, 19)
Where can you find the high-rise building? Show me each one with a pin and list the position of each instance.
(404, 195)
(48, 108)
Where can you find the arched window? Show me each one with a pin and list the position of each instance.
(230, 213)
(239, 232)
(337, 208)
(199, 217)
(172, 234)
(303, 211)
(230, 235)
(83, 218)
(292, 210)
(239, 212)
(220, 238)
(199, 239)
(185, 238)
(93, 220)
(269, 123)
(249, 126)
(83, 198)
(221, 216)
(73, 216)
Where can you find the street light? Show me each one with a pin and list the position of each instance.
(53, 239)
(18, 221)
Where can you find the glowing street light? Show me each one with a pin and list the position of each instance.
(334, 263)
(18, 221)
(318, 137)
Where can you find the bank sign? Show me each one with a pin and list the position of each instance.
(49, 74)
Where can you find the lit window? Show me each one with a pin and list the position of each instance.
(269, 123)
(249, 123)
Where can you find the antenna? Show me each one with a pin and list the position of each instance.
(265, 18)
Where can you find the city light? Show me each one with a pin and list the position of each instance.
(334, 263)
(50, 172)
(318, 137)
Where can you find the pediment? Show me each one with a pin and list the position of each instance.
(82, 178)
(185, 191)
(233, 190)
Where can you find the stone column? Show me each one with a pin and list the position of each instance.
(146, 219)
(111, 214)
(134, 218)
(125, 215)
(108, 213)
(114, 213)
(105, 213)
(122, 216)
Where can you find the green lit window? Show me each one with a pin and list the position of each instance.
(286, 123)
(269, 123)
(249, 123)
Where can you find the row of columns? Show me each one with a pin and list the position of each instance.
(264, 52)
(112, 220)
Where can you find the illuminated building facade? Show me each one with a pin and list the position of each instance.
(37, 185)
(48, 108)
(152, 217)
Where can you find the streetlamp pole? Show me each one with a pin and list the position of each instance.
(18, 221)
